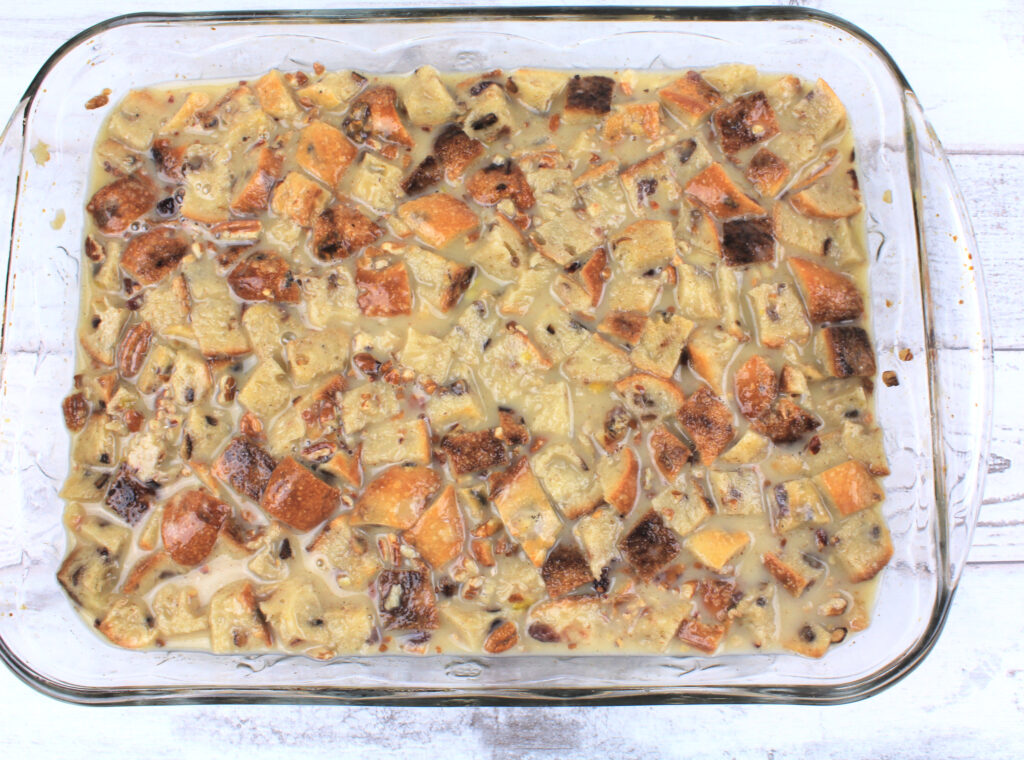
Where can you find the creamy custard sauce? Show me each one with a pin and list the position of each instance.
(523, 361)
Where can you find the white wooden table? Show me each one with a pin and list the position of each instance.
(966, 700)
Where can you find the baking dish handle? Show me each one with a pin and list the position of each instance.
(959, 339)
(12, 144)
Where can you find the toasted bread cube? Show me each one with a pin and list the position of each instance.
(708, 422)
(565, 570)
(333, 89)
(866, 445)
(700, 635)
(747, 121)
(347, 552)
(748, 241)
(426, 100)
(129, 624)
(383, 292)
(127, 497)
(597, 361)
(716, 548)
(376, 183)
(317, 353)
(442, 281)
(668, 453)
(339, 231)
(367, 404)
(847, 351)
(533, 282)
(649, 183)
(716, 191)
(487, 114)
(710, 350)
(644, 245)
(632, 120)
(127, 123)
(177, 613)
(439, 533)
(295, 614)
(602, 195)
(786, 422)
(216, 316)
(148, 571)
(650, 398)
(649, 546)
(767, 172)
(780, 316)
(502, 250)
(525, 510)
(191, 521)
(266, 390)
(330, 297)
(100, 331)
(810, 640)
(89, 574)
(751, 448)
(428, 356)
(569, 479)
(588, 97)
(245, 467)
(835, 196)
(374, 115)
(438, 219)
(820, 112)
(264, 276)
(794, 504)
(619, 474)
(565, 238)
(427, 173)
(737, 492)
(598, 534)
(96, 443)
(790, 571)
(830, 296)
(634, 292)
(396, 497)
(298, 498)
(535, 88)
(498, 181)
(661, 344)
(207, 186)
(474, 451)
(397, 441)
(863, 544)
(455, 404)
(683, 505)
(626, 326)
(696, 293)
(324, 152)
(689, 98)
(850, 487)
(115, 206)
(456, 150)
(275, 96)
(793, 381)
(548, 409)
(573, 620)
(756, 387)
(266, 325)
(407, 600)
(558, 334)
(236, 624)
(572, 293)
(166, 308)
(299, 199)
(817, 237)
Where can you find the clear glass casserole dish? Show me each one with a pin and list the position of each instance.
(927, 295)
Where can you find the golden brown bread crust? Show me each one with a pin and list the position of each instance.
(565, 570)
(406, 600)
(254, 195)
(428, 173)
(128, 497)
(785, 574)
(439, 532)
(191, 521)
(830, 296)
(748, 120)
(340, 231)
(715, 190)
(748, 241)
(456, 150)
(152, 255)
(767, 172)
(245, 467)
(851, 487)
(498, 181)
(324, 152)
(756, 387)
(786, 422)
(115, 206)
(848, 351)
(396, 497)
(374, 114)
(668, 452)
(690, 97)
(627, 326)
(297, 497)
(438, 218)
(700, 635)
(384, 292)
(264, 276)
(650, 546)
(474, 452)
(708, 422)
(591, 95)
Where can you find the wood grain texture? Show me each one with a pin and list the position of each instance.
(967, 698)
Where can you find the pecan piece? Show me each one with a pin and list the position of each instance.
(133, 349)
(76, 411)
(502, 638)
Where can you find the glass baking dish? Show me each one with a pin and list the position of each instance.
(927, 295)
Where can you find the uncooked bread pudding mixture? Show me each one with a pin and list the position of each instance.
(525, 361)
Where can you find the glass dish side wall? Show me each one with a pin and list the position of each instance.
(42, 638)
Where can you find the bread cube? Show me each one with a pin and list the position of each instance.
(128, 624)
(366, 404)
(236, 624)
(737, 492)
(748, 120)
(376, 183)
(438, 219)
(442, 281)
(473, 451)
(396, 497)
(602, 195)
(649, 546)
(794, 504)
(597, 361)
(626, 326)
(650, 398)
(644, 245)
(535, 88)
(439, 533)
(748, 241)
(383, 292)
(502, 251)
(397, 441)
(708, 422)
(374, 116)
(689, 98)
(767, 172)
(863, 544)
(127, 497)
(568, 478)
(177, 613)
(558, 334)
(683, 505)
(426, 355)
(456, 150)
(588, 97)
(817, 237)
(632, 120)
(330, 297)
(846, 351)
(756, 387)
(525, 510)
(786, 422)
(128, 123)
(298, 498)
(116, 206)
(696, 293)
(333, 89)
(598, 534)
(426, 100)
(820, 112)
(266, 390)
(89, 574)
(456, 404)
(264, 276)
(406, 600)
(618, 475)
(850, 487)
(565, 570)
(572, 620)
(843, 400)
(636, 293)
(668, 453)
(317, 353)
(716, 548)
(275, 96)
(661, 344)
(100, 331)
(835, 196)
(794, 570)
(245, 467)
(323, 151)
(191, 521)
(710, 350)
(866, 445)
(649, 184)
(715, 190)
(830, 296)
(565, 238)
(339, 231)
(299, 199)
(500, 180)
(780, 316)
(347, 553)
(487, 115)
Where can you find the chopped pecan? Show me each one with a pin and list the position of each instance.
(76, 411)
(502, 638)
(133, 349)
